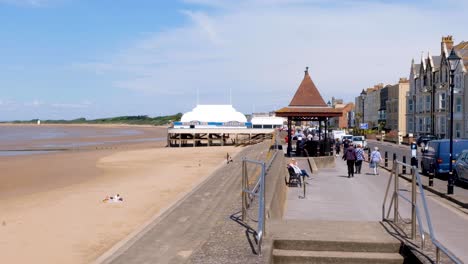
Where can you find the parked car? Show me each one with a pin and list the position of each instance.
(424, 139)
(347, 137)
(435, 158)
(360, 140)
(461, 166)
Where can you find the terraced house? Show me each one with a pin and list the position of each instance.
(428, 99)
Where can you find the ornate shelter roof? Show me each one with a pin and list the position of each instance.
(307, 103)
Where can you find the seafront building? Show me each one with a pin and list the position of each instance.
(428, 99)
(368, 105)
(214, 125)
(396, 106)
(210, 116)
(267, 120)
(347, 120)
(383, 107)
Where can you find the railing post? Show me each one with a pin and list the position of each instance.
(262, 205)
(386, 159)
(395, 194)
(403, 170)
(413, 207)
(244, 194)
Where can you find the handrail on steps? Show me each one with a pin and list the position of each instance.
(415, 213)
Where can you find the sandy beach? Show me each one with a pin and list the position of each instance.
(51, 205)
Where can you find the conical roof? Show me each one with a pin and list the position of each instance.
(307, 94)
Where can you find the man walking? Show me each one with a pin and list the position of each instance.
(350, 157)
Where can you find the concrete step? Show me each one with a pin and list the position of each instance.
(281, 256)
(349, 246)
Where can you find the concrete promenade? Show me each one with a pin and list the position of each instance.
(332, 196)
(201, 228)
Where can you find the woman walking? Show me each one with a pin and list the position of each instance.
(375, 159)
(360, 157)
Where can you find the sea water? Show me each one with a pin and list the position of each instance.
(17, 140)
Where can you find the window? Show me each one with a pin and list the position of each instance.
(458, 105)
(427, 121)
(420, 125)
(410, 106)
(457, 130)
(410, 124)
(442, 124)
(442, 101)
(428, 103)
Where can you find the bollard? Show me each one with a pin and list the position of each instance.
(403, 170)
(386, 159)
(431, 174)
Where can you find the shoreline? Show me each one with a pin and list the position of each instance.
(52, 206)
(118, 125)
(79, 137)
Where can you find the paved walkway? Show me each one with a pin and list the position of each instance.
(332, 196)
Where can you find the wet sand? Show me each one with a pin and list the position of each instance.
(51, 205)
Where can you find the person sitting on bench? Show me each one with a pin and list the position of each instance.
(293, 164)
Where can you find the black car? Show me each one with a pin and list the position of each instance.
(424, 139)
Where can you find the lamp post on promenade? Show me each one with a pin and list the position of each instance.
(363, 98)
(453, 60)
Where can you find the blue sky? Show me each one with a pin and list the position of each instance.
(87, 58)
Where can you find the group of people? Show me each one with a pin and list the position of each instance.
(355, 156)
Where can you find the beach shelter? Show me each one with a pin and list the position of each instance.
(308, 105)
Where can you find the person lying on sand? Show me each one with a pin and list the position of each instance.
(116, 198)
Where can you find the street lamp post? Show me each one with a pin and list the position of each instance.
(453, 60)
(363, 98)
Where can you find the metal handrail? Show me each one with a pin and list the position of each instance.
(257, 191)
(415, 216)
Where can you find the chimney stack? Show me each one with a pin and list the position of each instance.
(448, 41)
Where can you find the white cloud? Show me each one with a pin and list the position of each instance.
(259, 49)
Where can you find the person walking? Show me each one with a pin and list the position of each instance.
(375, 159)
(360, 157)
(337, 147)
(350, 157)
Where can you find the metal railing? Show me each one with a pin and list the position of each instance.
(258, 190)
(415, 211)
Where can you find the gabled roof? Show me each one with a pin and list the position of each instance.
(436, 62)
(462, 50)
(415, 68)
(307, 94)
